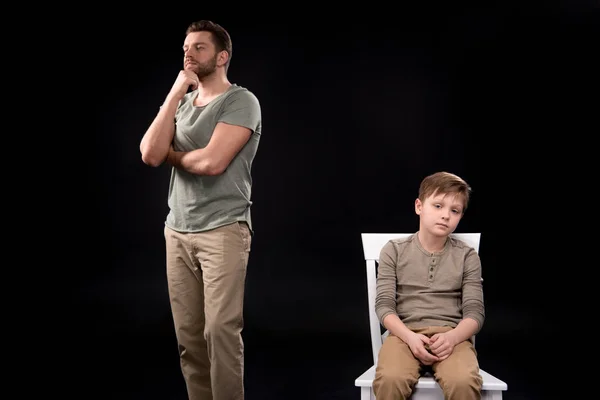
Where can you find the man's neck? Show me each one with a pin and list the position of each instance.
(211, 86)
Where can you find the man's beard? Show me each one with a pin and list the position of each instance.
(207, 68)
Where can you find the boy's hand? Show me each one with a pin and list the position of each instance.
(417, 343)
(442, 344)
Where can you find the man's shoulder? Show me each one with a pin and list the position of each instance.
(241, 92)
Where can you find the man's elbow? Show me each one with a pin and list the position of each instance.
(213, 167)
(151, 155)
(152, 159)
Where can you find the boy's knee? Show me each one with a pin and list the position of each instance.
(391, 384)
(462, 386)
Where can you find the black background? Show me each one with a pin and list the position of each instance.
(356, 111)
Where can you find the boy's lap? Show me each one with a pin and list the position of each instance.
(396, 355)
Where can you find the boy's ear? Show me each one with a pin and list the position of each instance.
(418, 206)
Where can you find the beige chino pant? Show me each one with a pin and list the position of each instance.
(398, 370)
(206, 275)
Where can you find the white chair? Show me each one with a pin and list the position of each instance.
(426, 388)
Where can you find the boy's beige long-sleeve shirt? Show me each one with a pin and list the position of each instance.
(429, 289)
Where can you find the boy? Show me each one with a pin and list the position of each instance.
(430, 299)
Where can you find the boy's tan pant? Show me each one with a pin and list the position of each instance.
(398, 370)
(206, 275)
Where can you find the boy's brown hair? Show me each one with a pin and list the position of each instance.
(444, 183)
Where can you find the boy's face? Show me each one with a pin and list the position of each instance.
(440, 213)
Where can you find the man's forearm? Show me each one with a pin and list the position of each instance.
(464, 330)
(156, 142)
(196, 162)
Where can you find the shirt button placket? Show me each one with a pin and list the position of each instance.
(431, 268)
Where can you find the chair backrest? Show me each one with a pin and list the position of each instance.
(372, 244)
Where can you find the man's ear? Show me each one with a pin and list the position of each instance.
(222, 58)
(418, 206)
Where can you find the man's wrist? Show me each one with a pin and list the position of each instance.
(172, 157)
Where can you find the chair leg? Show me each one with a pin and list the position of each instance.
(491, 395)
(366, 393)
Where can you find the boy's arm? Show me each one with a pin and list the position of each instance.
(394, 324)
(465, 329)
(442, 344)
(472, 299)
(385, 299)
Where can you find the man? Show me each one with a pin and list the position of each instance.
(210, 137)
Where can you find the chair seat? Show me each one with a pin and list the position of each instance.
(490, 382)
